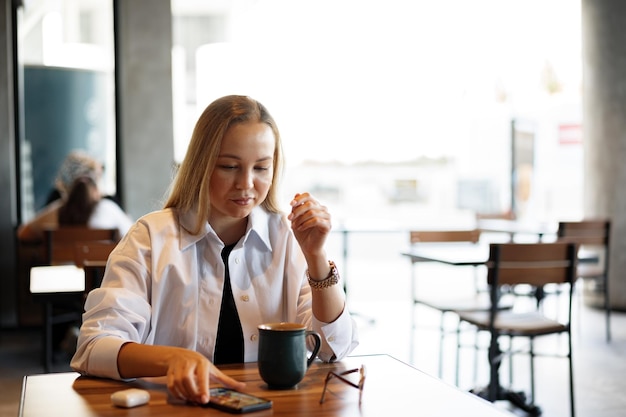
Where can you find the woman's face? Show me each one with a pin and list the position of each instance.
(243, 173)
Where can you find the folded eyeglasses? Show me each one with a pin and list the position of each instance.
(341, 377)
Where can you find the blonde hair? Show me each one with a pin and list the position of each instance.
(190, 188)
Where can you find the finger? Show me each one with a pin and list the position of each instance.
(301, 202)
(202, 376)
(298, 208)
(218, 376)
(314, 218)
(172, 387)
(190, 386)
(307, 210)
(182, 380)
(299, 198)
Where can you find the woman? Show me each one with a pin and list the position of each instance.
(80, 202)
(75, 165)
(188, 285)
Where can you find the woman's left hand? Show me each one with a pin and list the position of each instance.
(310, 222)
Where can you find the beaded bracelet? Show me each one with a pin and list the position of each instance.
(331, 279)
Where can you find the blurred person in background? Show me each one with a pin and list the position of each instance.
(79, 201)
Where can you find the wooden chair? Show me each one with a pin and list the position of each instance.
(442, 302)
(60, 242)
(592, 235)
(67, 306)
(536, 264)
(92, 257)
(505, 215)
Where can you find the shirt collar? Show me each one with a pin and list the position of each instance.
(258, 224)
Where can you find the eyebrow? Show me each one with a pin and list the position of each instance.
(265, 158)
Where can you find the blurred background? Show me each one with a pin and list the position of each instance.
(397, 114)
(391, 111)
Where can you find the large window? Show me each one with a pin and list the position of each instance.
(67, 56)
(398, 112)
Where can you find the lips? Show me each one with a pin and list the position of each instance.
(243, 201)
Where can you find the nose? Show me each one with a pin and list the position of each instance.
(245, 180)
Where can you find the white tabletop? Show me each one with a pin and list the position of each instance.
(56, 279)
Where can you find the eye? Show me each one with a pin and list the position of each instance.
(227, 167)
(262, 168)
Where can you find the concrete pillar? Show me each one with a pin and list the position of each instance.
(8, 213)
(604, 128)
(144, 97)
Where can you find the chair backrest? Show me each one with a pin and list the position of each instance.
(591, 232)
(436, 236)
(92, 252)
(61, 242)
(593, 236)
(536, 264)
(92, 256)
(586, 232)
(507, 215)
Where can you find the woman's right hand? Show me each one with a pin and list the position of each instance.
(188, 373)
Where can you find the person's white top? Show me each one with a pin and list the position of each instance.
(108, 215)
(163, 286)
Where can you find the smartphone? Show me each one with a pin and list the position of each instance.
(236, 402)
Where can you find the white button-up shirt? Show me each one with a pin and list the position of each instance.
(163, 286)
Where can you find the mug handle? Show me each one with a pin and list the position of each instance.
(316, 348)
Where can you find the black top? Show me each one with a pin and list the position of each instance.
(229, 343)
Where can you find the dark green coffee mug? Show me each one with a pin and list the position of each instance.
(282, 356)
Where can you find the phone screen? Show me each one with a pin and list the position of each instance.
(236, 402)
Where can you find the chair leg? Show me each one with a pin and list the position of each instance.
(476, 349)
(441, 337)
(458, 355)
(607, 307)
(571, 375)
(532, 370)
(413, 312)
(413, 333)
(510, 358)
(47, 337)
(494, 364)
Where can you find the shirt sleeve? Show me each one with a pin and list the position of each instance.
(339, 338)
(116, 313)
(102, 358)
(113, 317)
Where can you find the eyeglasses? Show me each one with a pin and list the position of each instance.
(341, 377)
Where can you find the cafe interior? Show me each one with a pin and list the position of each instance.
(445, 138)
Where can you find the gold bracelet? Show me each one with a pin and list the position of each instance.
(331, 279)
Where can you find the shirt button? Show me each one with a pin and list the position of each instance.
(254, 337)
(331, 339)
(237, 261)
(211, 302)
(245, 298)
